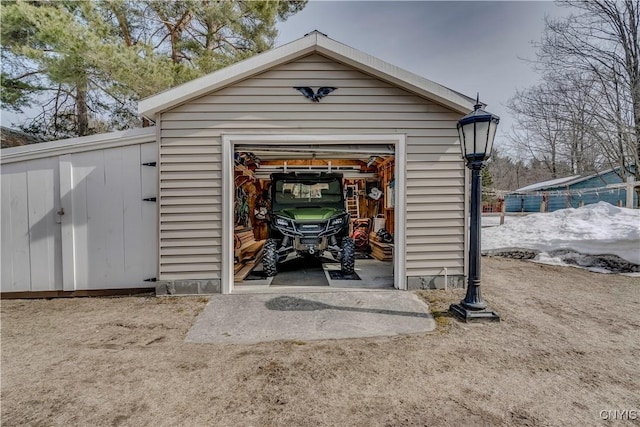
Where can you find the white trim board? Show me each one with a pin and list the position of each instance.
(228, 143)
(312, 42)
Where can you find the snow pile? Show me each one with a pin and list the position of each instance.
(601, 237)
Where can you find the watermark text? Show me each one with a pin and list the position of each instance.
(619, 414)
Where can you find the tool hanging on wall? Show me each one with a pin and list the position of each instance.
(375, 194)
(242, 208)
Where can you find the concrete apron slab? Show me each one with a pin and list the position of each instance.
(254, 318)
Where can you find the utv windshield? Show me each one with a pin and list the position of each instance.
(297, 192)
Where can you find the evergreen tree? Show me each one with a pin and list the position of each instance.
(487, 185)
(85, 64)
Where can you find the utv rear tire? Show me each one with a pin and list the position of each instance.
(270, 258)
(348, 259)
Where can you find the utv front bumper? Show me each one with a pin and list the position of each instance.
(309, 227)
(309, 235)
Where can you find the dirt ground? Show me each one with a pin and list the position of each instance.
(568, 348)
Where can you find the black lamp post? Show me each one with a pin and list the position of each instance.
(476, 131)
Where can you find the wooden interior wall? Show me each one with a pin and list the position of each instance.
(245, 179)
(386, 171)
(369, 208)
(260, 225)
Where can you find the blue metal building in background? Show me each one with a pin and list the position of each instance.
(569, 192)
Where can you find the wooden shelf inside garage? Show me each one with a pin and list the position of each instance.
(379, 250)
(247, 255)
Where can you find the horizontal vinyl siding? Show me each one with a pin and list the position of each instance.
(371, 128)
(290, 103)
(190, 169)
(435, 205)
(190, 120)
(190, 208)
(326, 126)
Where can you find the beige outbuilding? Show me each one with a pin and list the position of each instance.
(202, 123)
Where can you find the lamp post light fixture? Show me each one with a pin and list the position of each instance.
(476, 131)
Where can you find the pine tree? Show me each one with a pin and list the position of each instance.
(84, 64)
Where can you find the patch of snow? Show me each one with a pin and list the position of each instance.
(545, 258)
(564, 236)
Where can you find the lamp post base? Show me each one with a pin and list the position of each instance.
(467, 315)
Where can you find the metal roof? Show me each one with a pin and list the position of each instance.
(546, 184)
(569, 180)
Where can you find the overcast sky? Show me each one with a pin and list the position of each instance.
(467, 46)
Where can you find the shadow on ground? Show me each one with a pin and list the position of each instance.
(289, 303)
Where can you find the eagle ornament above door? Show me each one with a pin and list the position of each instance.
(315, 97)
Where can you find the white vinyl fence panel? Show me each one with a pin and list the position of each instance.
(78, 221)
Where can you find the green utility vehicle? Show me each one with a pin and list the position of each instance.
(308, 217)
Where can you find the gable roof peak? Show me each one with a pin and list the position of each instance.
(316, 32)
(313, 42)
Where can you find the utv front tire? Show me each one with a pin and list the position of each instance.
(270, 257)
(348, 259)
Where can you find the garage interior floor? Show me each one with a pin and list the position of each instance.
(315, 275)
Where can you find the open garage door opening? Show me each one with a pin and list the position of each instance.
(313, 216)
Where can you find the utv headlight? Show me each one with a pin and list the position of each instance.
(337, 221)
(282, 222)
